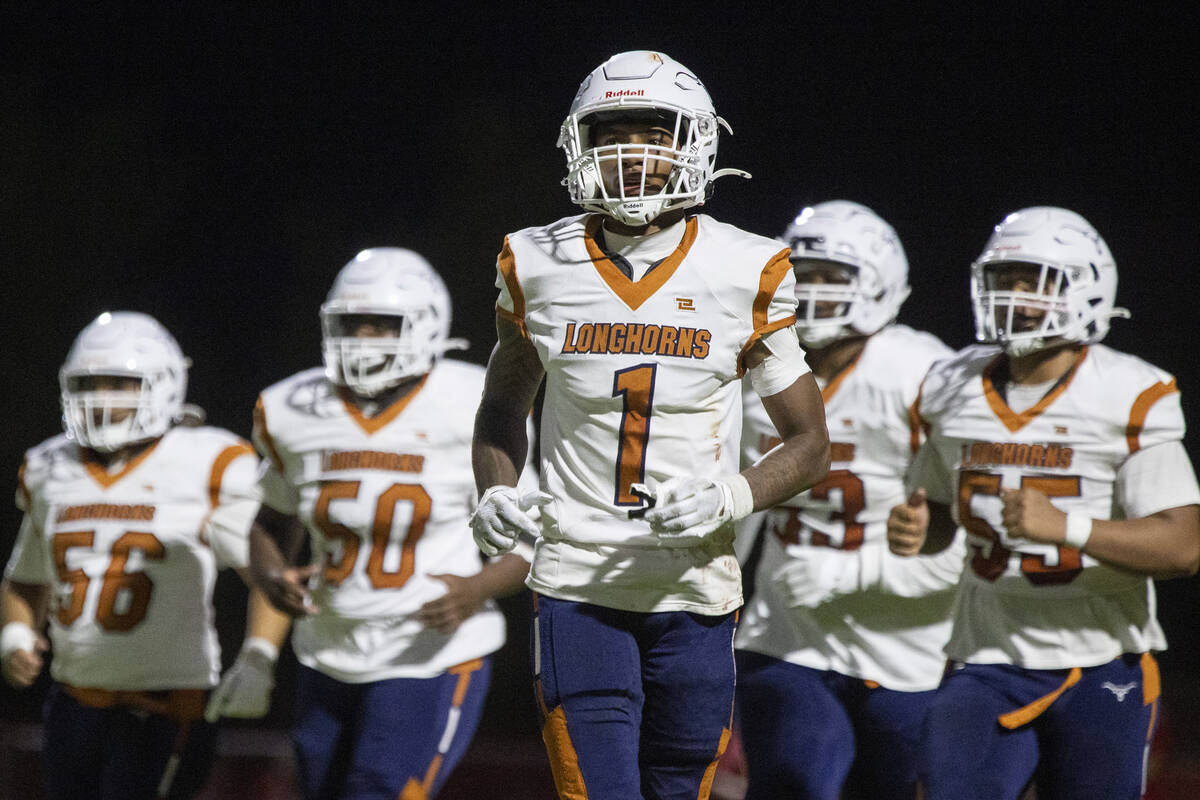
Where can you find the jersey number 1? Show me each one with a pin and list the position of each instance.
(635, 386)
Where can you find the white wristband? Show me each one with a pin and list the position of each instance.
(1079, 529)
(743, 498)
(17, 636)
(261, 647)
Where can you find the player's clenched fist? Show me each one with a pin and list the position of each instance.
(907, 525)
(1029, 514)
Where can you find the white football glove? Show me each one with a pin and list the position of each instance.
(245, 688)
(503, 514)
(814, 581)
(694, 508)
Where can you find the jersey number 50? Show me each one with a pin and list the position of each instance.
(337, 570)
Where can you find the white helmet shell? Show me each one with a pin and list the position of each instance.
(631, 85)
(393, 282)
(124, 344)
(853, 237)
(1076, 288)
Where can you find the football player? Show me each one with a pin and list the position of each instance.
(1063, 465)
(127, 518)
(641, 315)
(840, 648)
(395, 621)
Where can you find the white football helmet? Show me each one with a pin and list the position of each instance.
(635, 85)
(390, 282)
(1074, 282)
(124, 344)
(854, 240)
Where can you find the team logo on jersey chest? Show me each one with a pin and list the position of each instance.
(1016, 454)
(334, 461)
(139, 513)
(633, 337)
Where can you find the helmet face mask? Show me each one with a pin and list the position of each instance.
(650, 90)
(123, 382)
(851, 272)
(386, 320)
(1045, 278)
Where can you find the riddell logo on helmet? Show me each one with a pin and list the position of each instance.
(625, 93)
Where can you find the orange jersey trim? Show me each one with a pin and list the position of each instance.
(106, 478)
(831, 388)
(506, 263)
(1026, 714)
(224, 459)
(754, 337)
(564, 759)
(380, 420)
(1141, 409)
(178, 704)
(1011, 419)
(634, 293)
(264, 435)
(768, 282)
(22, 489)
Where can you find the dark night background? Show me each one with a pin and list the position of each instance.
(215, 163)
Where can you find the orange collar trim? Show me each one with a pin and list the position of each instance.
(634, 293)
(105, 478)
(1011, 419)
(831, 388)
(380, 420)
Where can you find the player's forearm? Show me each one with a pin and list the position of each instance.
(264, 621)
(499, 447)
(1162, 545)
(266, 559)
(502, 576)
(800, 462)
(23, 602)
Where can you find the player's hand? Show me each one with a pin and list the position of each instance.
(907, 525)
(287, 589)
(462, 599)
(687, 508)
(22, 660)
(811, 581)
(245, 688)
(1029, 514)
(503, 514)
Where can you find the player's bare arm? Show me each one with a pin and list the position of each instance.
(22, 606)
(501, 441)
(798, 414)
(1162, 545)
(464, 596)
(271, 572)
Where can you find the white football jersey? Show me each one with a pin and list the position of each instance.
(881, 618)
(641, 386)
(386, 501)
(1043, 606)
(131, 556)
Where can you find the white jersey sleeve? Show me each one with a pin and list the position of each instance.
(235, 497)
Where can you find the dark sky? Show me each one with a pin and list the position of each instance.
(214, 164)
